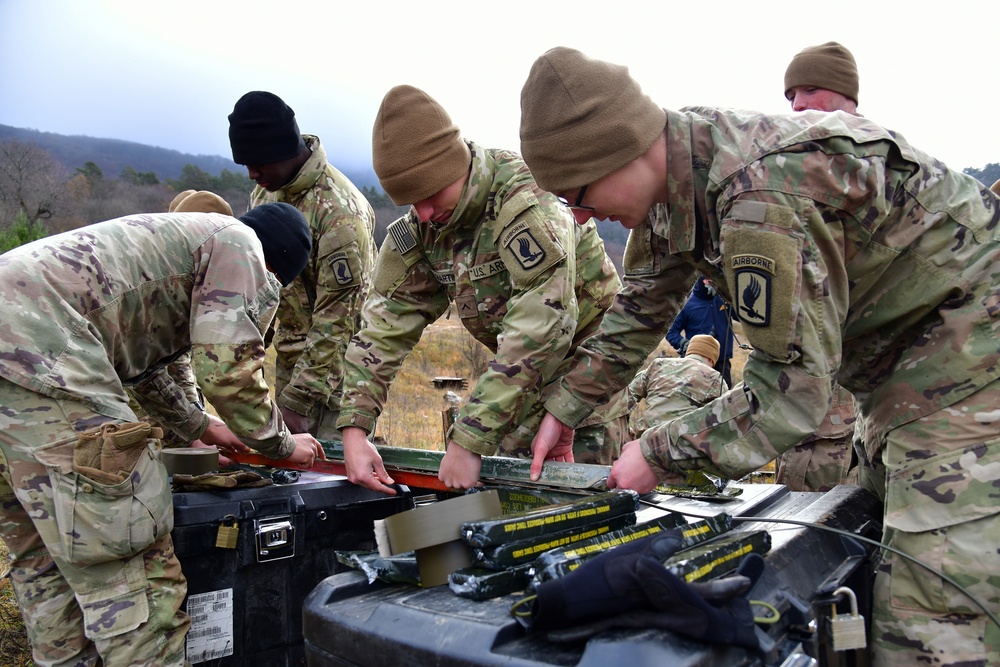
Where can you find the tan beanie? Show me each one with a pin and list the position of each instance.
(582, 119)
(178, 199)
(829, 66)
(203, 201)
(995, 188)
(704, 345)
(417, 150)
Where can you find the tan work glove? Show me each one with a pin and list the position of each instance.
(108, 454)
(219, 481)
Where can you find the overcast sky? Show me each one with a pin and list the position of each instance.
(168, 73)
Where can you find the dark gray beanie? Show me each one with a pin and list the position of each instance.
(284, 236)
(262, 130)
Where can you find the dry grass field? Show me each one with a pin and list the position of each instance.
(412, 418)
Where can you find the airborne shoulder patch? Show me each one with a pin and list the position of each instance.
(754, 280)
(341, 267)
(526, 249)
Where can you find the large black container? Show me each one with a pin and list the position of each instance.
(246, 601)
(349, 622)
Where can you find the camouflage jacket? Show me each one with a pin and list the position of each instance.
(526, 281)
(320, 310)
(114, 303)
(850, 257)
(672, 386)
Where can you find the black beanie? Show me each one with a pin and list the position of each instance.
(262, 130)
(284, 236)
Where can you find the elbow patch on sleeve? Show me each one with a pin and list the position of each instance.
(526, 244)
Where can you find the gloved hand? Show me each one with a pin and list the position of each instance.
(629, 587)
(219, 481)
(684, 347)
(108, 454)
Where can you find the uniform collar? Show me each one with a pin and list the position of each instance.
(310, 172)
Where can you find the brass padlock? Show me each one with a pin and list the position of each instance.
(229, 532)
(847, 630)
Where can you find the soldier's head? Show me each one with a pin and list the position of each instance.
(418, 154)
(200, 201)
(823, 78)
(284, 237)
(592, 137)
(704, 348)
(265, 139)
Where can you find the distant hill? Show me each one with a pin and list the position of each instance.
(113, 155)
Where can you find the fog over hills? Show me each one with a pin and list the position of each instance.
(113, 155)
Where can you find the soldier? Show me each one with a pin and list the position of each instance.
(87, 509)
(321, 310)
(705, 312)
(850, 256)
(525, 280)
(673, 386)
(824, 78)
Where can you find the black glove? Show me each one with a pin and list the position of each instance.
(605, 585)
(629, 587)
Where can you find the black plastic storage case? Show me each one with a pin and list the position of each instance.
(246, 602)
(347, 621)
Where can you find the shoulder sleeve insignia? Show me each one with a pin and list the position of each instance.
(526, 249)
(754, 275)
(342, 269)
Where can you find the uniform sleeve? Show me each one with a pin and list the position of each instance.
(637, 388)
(343, 263)
(232, 304)
(537, 243)
(169, 404)
(784, 266)
(674, 336)
(405, 299)
(654, 287)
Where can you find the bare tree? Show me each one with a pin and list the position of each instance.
(31, 180)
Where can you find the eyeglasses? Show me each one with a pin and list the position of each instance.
(578, 203)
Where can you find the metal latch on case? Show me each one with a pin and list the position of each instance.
(275, 538)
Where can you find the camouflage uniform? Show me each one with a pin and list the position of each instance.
(321, 309)
(853, 258)
(672, 386)
(527, 282)
(86, 313)
(823, 459)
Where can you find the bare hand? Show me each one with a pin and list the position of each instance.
(220, 436)
(553, 442)
(307, 450)
(295, 422)
(363, 462)
(632, 471)
(460, 467)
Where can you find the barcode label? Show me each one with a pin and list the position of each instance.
(211, 633)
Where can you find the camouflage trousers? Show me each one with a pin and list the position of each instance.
(943, 472)
(597, 440)
(116, 611)
(822, 461)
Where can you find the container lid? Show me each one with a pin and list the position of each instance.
(190, 460)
